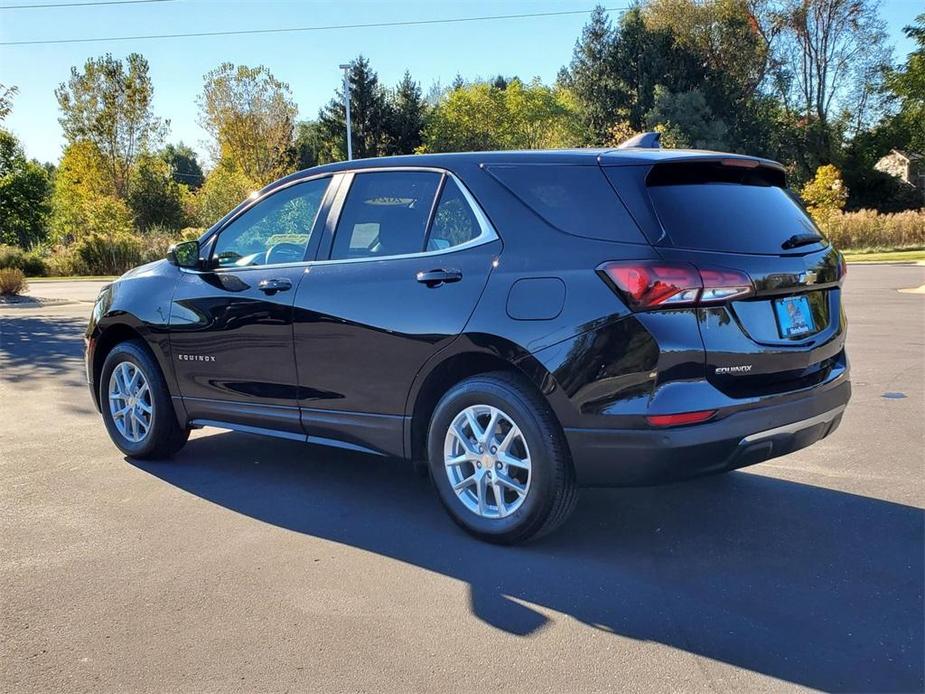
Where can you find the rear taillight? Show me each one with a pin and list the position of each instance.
(654, 284)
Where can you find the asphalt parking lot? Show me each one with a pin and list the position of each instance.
(271, 566)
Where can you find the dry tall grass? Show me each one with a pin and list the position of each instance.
(868, 229)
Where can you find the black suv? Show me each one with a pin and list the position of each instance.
(518, 323)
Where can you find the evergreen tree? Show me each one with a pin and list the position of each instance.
(592, 77)
(368, 116)
(407, 113)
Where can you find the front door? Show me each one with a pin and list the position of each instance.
(231, 326)
(398, 283)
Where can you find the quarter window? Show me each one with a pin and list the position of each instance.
(385, 214)
(454, 221)
(275, 230)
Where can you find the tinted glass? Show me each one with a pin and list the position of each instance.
(730, 217)
(454, 221)
(275, 230)
(385, 213)
(727, 208)
(575, 199)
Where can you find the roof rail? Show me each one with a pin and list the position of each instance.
(643, 140)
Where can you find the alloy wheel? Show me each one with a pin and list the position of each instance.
(487, 461)
(130, 402)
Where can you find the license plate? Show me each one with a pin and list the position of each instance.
(794, 318)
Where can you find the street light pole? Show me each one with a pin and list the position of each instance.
(346, 69)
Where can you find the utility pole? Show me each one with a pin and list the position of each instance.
(346, 69)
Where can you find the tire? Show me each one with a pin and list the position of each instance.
(155, 433)
(541, 498)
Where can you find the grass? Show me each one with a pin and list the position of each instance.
(877, 256)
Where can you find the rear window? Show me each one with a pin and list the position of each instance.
(727, 208)
(575, 199)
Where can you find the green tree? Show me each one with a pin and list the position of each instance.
(6, 100)
(592, 77)
(644, 58)
(369, 116)
(82, 179)
(184, 164)
(908, 85)
(724, 50)
(540, 117)
(469, 118)
(109, 104)
(829, 57)
(24, 192)
(731, 36)
(480, 116)
(250, 116)
(225, 188)
(154, 196)
(686, 121)
(310, 144)
(406, 116)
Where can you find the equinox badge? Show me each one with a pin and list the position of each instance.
(734, 370)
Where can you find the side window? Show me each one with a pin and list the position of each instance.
(578, 200)
(454, 221)
(275, 230)
(385, 213)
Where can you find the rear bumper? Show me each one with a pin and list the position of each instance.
(637, 457)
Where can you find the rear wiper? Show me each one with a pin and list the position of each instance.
(800, 240)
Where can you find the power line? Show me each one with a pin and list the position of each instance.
(79, 4)
(331, 27)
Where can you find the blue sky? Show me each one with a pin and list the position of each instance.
(307, 61)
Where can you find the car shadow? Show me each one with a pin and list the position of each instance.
(33, 346)
(809, 585)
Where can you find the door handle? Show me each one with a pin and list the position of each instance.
(270, 287)
(436, 278)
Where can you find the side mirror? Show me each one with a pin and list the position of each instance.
(185, 254)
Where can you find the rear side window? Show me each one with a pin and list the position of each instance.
(385, 213)
(731, 209)
(575, 199)
(454, 222)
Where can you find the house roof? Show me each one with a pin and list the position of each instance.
(908, 156)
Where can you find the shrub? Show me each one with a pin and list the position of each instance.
(34, 265)
(31, 263)
(63, 261)
(155, 243)
(11, 257)
(190, 233)
(869, 229)
(109, 254)
(12, 281)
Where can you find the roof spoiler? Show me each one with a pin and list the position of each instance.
(642, 140)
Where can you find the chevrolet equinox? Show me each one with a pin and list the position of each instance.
(517, 324)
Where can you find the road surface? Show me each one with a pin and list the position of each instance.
(266, 565)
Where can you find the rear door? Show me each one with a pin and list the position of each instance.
(735, 214)
(407, 255)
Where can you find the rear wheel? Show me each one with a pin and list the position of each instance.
(499, 460)
(136, 404)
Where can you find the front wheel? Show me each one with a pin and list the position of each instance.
(499, 460)
(136, 404)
